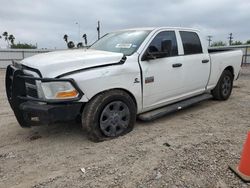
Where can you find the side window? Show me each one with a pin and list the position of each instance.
(164, 42)
(191, 43)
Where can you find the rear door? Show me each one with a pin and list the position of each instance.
(195, 62)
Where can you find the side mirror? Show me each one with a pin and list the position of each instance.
(149, 55)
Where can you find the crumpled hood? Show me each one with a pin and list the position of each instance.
(55, 63)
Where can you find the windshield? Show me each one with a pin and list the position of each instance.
(126, 42)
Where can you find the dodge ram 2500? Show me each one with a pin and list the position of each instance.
(144, 73)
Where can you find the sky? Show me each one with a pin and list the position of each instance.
(44, 22)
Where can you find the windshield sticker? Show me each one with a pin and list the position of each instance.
(123, 45)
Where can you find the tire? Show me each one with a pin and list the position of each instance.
(108, 115)
(223, 89)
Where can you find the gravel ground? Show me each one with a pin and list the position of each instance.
(191, 148)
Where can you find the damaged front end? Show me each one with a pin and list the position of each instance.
(31, 106)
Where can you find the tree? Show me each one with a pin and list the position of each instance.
(5, 35)
(218, 43)
(247, 42)
(23, 46)
(71, 44)
(79, 45)
(11, 38)
(85, 39)
(65, 37)
(237, 43)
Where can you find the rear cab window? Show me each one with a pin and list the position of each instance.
(191, 43)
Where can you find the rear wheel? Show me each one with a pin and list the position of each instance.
(223, 89)
(109, 115)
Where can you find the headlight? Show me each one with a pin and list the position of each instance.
(58, 90)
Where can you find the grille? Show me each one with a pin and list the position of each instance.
(19, 84)
(31, 88)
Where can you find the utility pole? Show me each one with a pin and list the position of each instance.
(79, 27)
(209, 38)
(230, 38)
(98, 29)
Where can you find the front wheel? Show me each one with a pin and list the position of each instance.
(223, 89)
(109, 115)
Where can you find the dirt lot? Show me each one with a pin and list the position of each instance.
(191, 148)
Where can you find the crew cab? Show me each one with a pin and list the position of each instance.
(143, 72)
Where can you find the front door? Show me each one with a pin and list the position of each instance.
(162, 71)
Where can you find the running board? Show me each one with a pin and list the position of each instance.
(154, 114)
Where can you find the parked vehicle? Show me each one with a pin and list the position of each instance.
(144, 73)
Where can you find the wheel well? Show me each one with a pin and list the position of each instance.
(128, 92)
(131, 95)
(231, 69)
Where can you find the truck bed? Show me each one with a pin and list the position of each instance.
(222, 58)
(220, 49)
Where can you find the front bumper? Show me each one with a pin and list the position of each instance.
(35, 113)
(28, 108)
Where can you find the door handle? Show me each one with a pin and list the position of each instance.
(205, 61)
(176, 65)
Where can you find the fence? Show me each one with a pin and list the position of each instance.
(8, 55)
(246, 56)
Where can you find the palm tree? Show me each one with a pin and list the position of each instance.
(65, 37)
(79, 45)
(5, 35)
(11, 38)
(71, 44)
(85, 39)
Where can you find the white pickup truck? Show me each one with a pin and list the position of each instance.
(144, 73)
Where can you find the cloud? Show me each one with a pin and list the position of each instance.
(46, 21)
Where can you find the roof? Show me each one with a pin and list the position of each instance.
(159, 28)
